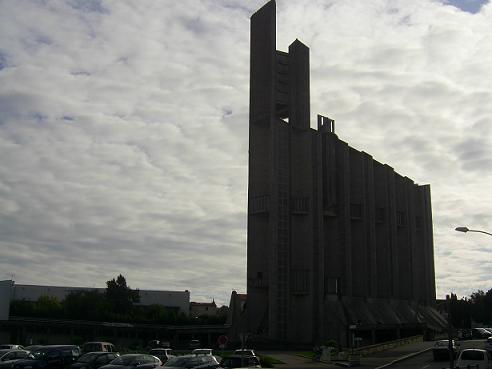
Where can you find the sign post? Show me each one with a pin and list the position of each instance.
(222, 341)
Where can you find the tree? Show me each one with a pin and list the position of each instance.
(120, 296)
(48, 307)
(90, 305)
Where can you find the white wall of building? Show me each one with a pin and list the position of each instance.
(178, 299)
(5, 295)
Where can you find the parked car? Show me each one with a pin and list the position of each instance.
(98, 347)
(240, 361)
(52, 357)
(132, 361)
(164, 354)
(9, 357)
(440, 351)
(94, 360)
(202, 351)
(158, 344)
(194, 344)
(465, 334)
(193, 361)
(480, 333)
(33, 347)
(488, 344)
(9, 346)
(475, 358)
(243, 352)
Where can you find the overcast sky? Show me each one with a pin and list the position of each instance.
(123, 130)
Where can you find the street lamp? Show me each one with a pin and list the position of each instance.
(465, 229)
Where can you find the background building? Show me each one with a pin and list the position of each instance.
(5, 293)
(198, 309)
(174, 300)
(337, 242)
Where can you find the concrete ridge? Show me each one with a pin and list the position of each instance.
(409, 356)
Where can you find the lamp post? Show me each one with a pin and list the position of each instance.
(465, 229)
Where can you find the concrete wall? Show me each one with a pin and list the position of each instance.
(327, 224)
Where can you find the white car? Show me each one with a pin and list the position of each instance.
(202, 351)
(475, 358)
(488, 344)
(245, 352)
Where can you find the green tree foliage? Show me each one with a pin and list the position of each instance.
(48, 307)
(86, 305)
(120, 296)
(477, 308)
(481, 306)
(460, 312)
(22, 308)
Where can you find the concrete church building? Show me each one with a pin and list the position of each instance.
(336, 240)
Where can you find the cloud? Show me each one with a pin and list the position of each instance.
(124, 131)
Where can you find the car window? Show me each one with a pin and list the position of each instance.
(101, 359)
(472, 355)
(144, 359)
(22, 354)
(253, 361)
(53, 355)
(489, 355)
(9, 356)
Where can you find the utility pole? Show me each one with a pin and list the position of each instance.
(450, 334)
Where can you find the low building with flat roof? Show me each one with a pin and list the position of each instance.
(175, 300)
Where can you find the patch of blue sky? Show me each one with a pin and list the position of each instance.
(470, 6)
(89, 6)
(3, 59)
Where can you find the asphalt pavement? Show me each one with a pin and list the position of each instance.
(412, 355)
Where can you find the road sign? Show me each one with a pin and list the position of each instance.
(222, 340)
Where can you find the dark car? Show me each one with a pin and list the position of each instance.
(8, 346)
(480, 333)
(164, 354)
(9, 357)
(193, 361)
(94, 360)
(33, 347)
(240, 361)
(52, 357)
(440, 351)
(132, 361)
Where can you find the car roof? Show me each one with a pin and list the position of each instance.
(99, 352)
(54, 347)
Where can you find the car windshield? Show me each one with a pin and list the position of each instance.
(87, 358)
(38, 354)
(124, 360)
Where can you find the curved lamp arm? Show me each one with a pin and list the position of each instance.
(465, 229)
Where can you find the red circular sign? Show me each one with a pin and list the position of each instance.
(222, 340)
